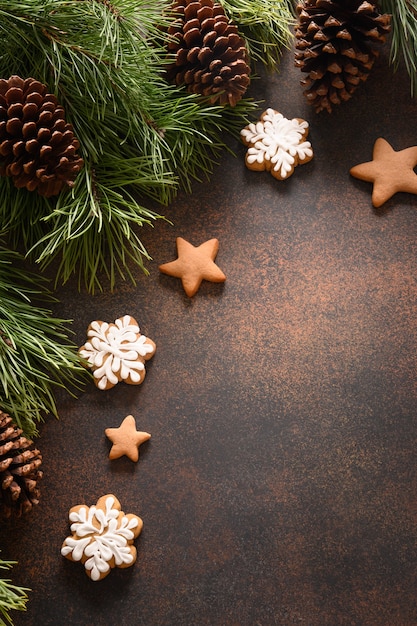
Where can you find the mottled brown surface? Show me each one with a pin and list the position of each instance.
(280, 484)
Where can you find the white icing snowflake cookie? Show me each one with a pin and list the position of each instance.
(116, 352)
(102, 537)
(276, 144)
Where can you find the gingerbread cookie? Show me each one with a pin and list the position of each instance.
(276, 144)
(102, 537)
(126, 439)
(194, 264)
(389, 171)
(116, 352)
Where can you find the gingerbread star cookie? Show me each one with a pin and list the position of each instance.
(126, 439)
(390, 171)
(102, 537)
(276, 144)
(194, 264)
(116, 352)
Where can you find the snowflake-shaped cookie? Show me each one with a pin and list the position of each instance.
(276, 144)
(102, 537)
(116, 352)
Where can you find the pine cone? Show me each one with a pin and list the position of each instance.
(37, 146)
(210, 55)
(19, 470)
(335, 46)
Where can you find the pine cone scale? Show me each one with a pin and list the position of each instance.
(4, 464)
(15, 491)
(29, 129)
(329, 48)
(13, 95)
(29, 168)
(29, 111)
(8, 479)
(5, 448)
(34, 98)
(15, 110)
(204, 14)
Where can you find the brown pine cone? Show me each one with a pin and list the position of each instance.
(210, 55)
(19, 470)
(335, 46)
(38, 149)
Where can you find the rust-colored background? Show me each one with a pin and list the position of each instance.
(280, 483)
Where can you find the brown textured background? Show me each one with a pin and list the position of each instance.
(280, 483)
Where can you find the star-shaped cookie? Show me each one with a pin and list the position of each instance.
(126, 439)
(194, 264)
(390, 171)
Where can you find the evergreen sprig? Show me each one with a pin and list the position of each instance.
(404, 36)
(141, 139)
(267, 26)
(12, 597)
(35, 354)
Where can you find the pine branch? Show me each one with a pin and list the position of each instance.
(266, 26)
(12, 597)
(404, 36)
(35, 354)
(141, 139)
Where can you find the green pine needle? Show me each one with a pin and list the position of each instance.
(35, 353)
(12, 597)
(141, 139)
(404, 36)
(267, 26)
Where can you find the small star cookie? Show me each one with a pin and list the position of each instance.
(116, 352)
(126, 439)
(276, 144)
(194, 264)
(102, 537)
(390, 171)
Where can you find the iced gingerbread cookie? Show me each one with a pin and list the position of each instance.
(116, 352)
(276, 144)
(102, 537)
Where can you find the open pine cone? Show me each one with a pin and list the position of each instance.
(19, 470)
(335, 46)
(38, 149)
(210, 55)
